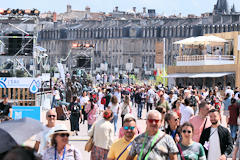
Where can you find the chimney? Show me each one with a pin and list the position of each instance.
(87, 9)
(69, 8)
(116, 9)
(144, 9)
(54, 17)
(134, 9)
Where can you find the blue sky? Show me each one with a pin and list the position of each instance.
(163, 7)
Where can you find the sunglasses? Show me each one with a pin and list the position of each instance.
(153, 120)
(177, 119)
(128, 127)
(64, 134)
(187, 131)
(49, 116)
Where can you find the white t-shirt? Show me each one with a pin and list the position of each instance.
(186, 112)
(214, 151)
(44, 139)
(118, 95)
(84, 100)
(114, 108)
(231, 93)
(151, 96)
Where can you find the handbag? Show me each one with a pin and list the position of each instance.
(89, 145)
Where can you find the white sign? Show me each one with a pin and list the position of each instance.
(104, 66)
(129, 66)
(98, 69)
(116, 69)
(136, 70)
(148, 72)
(61, 71)
(45, 77)
(32, 83)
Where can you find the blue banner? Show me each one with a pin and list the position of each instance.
(20, 112)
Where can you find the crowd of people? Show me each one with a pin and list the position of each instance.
(181, 123)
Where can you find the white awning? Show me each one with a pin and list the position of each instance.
(199, 75)
(178, 75)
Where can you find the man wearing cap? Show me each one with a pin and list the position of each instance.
(5, 107)
(42, 139)
(153, 143)
(120, 149)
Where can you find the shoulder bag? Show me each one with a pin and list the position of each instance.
(89, 145)
(180, 150)
(151, 148)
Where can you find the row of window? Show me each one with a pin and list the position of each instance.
(176, 31)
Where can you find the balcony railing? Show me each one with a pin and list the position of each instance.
(196, 60)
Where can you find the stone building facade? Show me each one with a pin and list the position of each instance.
(132, 40)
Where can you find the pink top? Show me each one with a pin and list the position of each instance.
(92, 115)
(198, 124)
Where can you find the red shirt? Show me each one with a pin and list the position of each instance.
(233, 114)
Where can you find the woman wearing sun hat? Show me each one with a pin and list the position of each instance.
(60, 149)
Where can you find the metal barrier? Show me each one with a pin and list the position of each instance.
(19, 96)
(186, 58)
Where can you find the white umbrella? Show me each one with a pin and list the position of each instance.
(187, 41)
(203, 40)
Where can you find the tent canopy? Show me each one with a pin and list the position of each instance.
(201, 40)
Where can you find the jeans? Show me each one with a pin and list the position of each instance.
(149, 106)
(139, 113)
(115, 118)
(89, 126)
(233, 129)
(53, 102)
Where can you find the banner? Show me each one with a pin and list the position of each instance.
(159, 58)
(32, 83)
(61, 71)
(20, 112)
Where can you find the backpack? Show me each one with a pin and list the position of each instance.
(103, 100)
(193, 101)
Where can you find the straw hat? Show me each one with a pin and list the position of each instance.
(58, 129)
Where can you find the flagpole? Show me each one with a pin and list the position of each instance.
(164, 43)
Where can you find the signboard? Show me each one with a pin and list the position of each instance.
(32, 83)
(148, 72)
(104, 66)
(20, 112)
(159, 53)
(98, 69)
(45, 77)
(136, 70)
(129, 66)
(116, 69)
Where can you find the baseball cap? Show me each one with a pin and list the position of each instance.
(128, 115)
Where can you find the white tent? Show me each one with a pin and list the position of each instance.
(201, 40)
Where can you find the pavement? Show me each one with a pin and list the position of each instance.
(80, 140)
